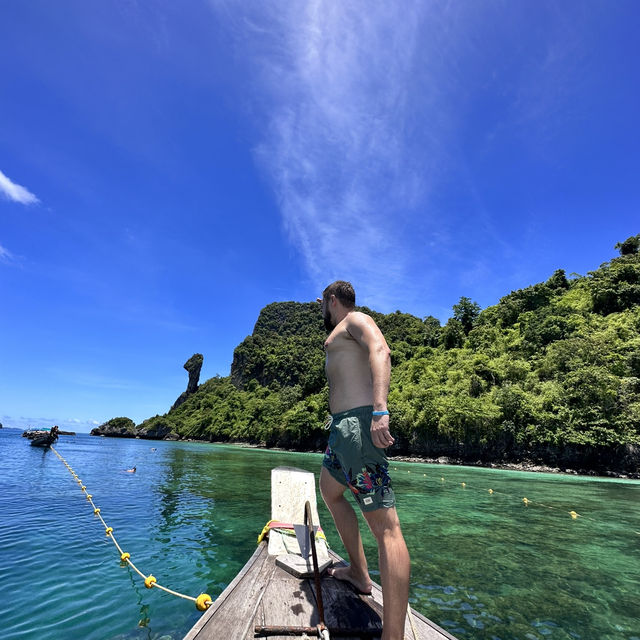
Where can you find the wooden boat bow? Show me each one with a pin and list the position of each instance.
(265, 600)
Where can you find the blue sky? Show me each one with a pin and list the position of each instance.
(167, 169)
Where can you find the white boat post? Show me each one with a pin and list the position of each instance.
(290, 489)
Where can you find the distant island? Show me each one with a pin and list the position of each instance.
(549, 376)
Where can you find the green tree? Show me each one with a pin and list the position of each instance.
(630, 246)
(466, 312)
(453, 334)
(558, 280)
(432, 331)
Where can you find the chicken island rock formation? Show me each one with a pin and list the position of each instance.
(123, 427)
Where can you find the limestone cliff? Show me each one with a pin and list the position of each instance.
(193, 366)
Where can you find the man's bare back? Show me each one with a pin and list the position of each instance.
(347, 365)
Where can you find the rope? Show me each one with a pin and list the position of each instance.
(202, 602)
(413, 627)
(286, 529)
(526, 501)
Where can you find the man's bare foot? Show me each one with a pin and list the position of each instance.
(363, 587)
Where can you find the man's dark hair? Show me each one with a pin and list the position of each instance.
(343, 291)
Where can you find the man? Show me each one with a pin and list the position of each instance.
(358, 368)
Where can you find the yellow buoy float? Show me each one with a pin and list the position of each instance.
(203, 602)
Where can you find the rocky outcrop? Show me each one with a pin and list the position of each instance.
(193, 366)
(156, 428)
(116, 428)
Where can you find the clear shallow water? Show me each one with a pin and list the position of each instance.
(484, 566)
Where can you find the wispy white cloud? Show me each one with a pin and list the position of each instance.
(16, 192)
(369, 113)
(345, 146)
(5, 255)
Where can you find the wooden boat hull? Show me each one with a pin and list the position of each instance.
(264, 595)
(43, 441)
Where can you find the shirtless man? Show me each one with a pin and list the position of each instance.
(358, 367)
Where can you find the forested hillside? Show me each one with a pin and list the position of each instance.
(551, 374)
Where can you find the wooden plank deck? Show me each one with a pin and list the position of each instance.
(263, 594)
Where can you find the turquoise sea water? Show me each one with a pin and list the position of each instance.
(484, 565)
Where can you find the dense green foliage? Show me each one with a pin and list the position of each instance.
(551, 372)
(122, 423)
(285, 349)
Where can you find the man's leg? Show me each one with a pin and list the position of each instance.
(347, 525)
(394, 569)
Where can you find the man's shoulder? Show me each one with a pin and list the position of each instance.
(358, 319)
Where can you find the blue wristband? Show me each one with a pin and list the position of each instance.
(380, 413)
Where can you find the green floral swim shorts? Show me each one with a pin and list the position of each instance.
(352, 459)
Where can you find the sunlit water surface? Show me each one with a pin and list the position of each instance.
(484, 565)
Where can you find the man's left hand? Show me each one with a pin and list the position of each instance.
(380, 434)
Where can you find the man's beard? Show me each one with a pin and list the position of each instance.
(329, 324)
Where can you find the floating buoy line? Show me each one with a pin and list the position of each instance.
(526, 501)
(202, 602)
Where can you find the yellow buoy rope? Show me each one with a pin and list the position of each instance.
(202, 602)
(574, 515)
(286, 529)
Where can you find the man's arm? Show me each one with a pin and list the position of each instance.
(366, 332)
